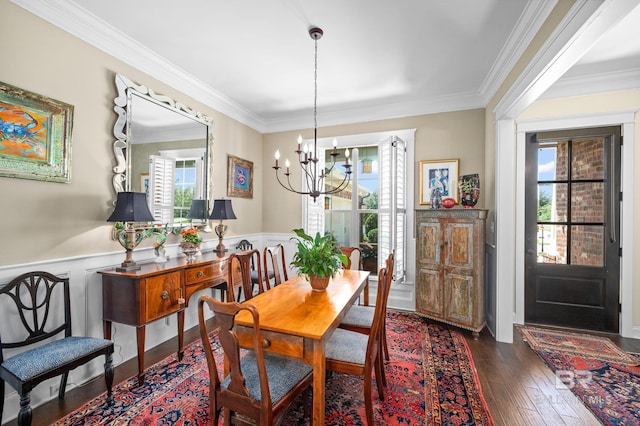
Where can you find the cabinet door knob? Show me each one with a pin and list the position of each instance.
(265, 343)
(164, 294)
(199, 274)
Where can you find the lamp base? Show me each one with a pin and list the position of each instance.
(220, 249)
(127, 268)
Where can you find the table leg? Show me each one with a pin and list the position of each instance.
(140, 335)
(319, 372)
(180, 335)
(366, 293)
(106, 325)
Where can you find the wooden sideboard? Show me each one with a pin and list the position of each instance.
(155, 291)
(450, 266)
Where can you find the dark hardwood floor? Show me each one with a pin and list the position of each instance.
(520, 389)
(517, 385)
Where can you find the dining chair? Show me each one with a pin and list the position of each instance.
(260, 386)
(275, 265)
(37, 315)
(239, 274)
(350, 352)
(244, 245)
(360, 318)
(354, 261)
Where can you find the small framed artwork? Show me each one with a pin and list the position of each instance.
(240, 178)
(35, 136)
(441, 175)
(144, 183)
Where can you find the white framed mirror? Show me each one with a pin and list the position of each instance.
(162, 148)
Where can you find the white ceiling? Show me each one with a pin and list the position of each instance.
(253, 59)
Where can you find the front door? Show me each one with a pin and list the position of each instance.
(572, 228)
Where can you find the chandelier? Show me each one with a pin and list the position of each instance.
(308, 157)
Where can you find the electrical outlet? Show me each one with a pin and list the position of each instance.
(53, 389)
(167, 321)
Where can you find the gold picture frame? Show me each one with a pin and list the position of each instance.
(239, 177)
(35, 136)
(439, 173)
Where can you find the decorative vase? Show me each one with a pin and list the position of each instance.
(161, 254)
(159, 249)
(469, 187)
(190, 250)
(319, 283)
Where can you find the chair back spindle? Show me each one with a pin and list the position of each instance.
(275, 264)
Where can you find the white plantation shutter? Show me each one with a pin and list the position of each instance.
(161, 179)
(392, 211)
(385, 201)
(400, 213)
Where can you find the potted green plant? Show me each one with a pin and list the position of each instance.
(317, 258)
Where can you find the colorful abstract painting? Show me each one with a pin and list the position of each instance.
(23, 133)
(35, 136)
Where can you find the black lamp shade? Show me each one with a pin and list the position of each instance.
(131, 207)
(222, 210)
(198, 209)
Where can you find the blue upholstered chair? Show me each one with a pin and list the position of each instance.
(351, 352)
(40, 303)
(360, 318)
(259, 386)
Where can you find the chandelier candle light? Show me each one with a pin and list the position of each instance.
(308, 157)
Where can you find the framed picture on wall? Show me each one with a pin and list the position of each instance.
(440, 174)
(35, 136)
(144, 183)
(240, 177)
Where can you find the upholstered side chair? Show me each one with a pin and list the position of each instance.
(259, 386)
(350, 352)
(38, 303)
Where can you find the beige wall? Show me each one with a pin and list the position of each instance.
(458, 134)
(43, 220)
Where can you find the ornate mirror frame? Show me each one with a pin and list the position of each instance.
(122, 147)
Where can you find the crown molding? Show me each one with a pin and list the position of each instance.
(581, 27)
(594, 83)
(72, 18)
(528, 25)
(377, 111)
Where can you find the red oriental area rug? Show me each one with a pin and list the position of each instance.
(431, 380)
(603, 376)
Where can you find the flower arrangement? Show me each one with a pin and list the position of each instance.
(190, 235)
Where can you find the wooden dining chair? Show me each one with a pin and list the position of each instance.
(239, 274)
(275, 265)
(350, 352)
(244, 245)
(360, 318)
(37, 308)
(354, 261)
(260, 386)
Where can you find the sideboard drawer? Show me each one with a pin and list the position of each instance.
(163, 295)
(204, 273)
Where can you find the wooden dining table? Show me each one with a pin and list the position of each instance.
(296, 321)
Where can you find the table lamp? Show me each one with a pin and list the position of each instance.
(199, 211)
(130, 207)
(222, 210)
